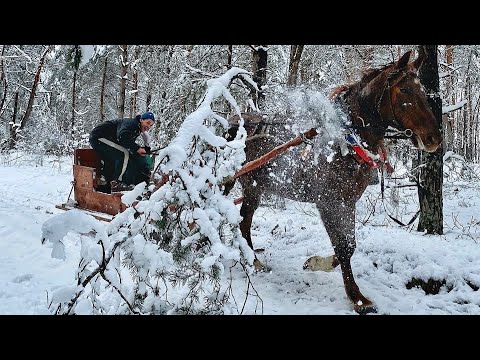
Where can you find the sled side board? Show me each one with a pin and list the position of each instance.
(88, 198)
(85, 169)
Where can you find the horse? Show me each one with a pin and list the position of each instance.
(385, 98)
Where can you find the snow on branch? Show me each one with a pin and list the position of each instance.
(450, 108)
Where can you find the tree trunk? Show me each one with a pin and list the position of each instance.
(33, 91)
(293, 66)
(227, 107)
(2, 72)
(74, 95)
(367, 55)
(3, 80)
(469, 124)
(102, 91)
(349, 65)
(476, 131)
(229, 56)
(461, 124)
(123, 80)
(449, 119)
(149, 100)
(13, 125)
(431, 175)
(260, 72)
(76, 65)
(133, 99)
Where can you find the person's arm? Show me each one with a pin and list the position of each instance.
(146, 138)
(146, 141)
(127, 135)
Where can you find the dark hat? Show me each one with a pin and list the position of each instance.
(148, 115)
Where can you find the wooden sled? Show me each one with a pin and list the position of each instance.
(86, 173)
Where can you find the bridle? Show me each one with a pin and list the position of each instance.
(395, 123)
(399, 131)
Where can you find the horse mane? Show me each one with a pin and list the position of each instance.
(370, 74)
(367, 76)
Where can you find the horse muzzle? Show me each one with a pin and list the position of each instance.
(429, 143)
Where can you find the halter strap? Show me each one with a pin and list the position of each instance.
(388, 86)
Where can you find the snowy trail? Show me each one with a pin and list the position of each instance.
(28, 196)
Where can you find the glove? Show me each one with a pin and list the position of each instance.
(148, 149)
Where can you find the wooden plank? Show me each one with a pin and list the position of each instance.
(87, 157)
(98, 216)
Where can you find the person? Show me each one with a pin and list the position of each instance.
(125, 163)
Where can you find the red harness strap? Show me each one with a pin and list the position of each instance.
(360, 153)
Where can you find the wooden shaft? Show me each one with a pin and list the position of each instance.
(252, 165)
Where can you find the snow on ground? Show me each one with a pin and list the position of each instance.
(387, 257)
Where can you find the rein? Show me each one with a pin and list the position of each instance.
(396, 134)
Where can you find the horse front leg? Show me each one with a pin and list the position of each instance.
(339, 221)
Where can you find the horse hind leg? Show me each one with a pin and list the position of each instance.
(251, 201)
(339, 221)
(228, 186)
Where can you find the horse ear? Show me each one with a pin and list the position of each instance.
(403, 60)
(419, 60)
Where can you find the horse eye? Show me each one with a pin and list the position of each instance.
(404, 90)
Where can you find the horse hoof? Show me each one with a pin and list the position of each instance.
(316, 263)
(365, 309)
(260, 267)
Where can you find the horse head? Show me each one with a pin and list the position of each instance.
(403, 104)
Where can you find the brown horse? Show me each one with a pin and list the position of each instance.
(391, 96)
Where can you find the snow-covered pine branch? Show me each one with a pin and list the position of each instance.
(180, 236)
(450, 70)
(450, 108)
